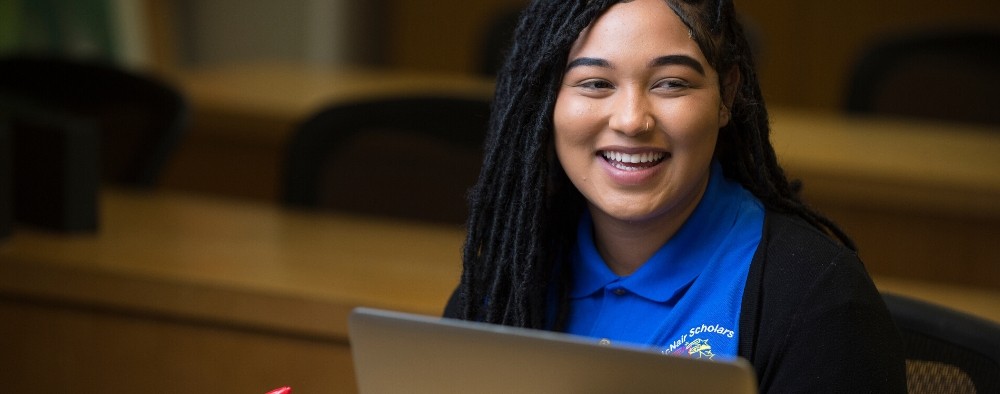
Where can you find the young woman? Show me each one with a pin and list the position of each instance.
(630, 193)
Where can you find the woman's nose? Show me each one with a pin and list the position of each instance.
(631, 115)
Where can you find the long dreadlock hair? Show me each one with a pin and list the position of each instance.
(524, 210)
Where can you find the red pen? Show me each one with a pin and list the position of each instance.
(281, 390)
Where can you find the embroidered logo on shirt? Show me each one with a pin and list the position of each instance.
(695, 344)
(699, 348)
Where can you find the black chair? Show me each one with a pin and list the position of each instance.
(947, 75)
(140, 119)
(946, 351)
(6, 182)
(409, 157)
(54, 166)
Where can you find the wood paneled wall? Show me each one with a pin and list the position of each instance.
(808, 47)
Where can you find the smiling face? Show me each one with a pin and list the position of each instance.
(638, 115)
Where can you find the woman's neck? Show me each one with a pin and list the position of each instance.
(627, 245)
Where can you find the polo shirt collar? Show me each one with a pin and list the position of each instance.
(677, 263)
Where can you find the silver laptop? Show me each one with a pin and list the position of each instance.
(403, 353)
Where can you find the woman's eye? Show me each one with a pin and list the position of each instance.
(595, 84)
(671, 84)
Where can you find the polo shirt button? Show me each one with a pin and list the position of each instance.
(604, 342)
(619, 291)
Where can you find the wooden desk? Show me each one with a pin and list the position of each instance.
(922, 200)
(891, 163)
(185, 294)
(179, 293)
(979, 301)
(244, 115)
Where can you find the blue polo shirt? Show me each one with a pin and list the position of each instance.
(686, 298)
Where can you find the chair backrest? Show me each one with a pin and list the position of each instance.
(946, 351)
(948, 75)
(6, 179)
(140, 118)
(411, 157)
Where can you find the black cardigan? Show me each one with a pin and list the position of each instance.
(812, 320)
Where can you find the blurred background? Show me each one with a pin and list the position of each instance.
(213, 249)
(807, 49)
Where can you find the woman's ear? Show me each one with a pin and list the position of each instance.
(730, 84)
(730, 81)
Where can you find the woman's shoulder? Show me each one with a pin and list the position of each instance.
(810, 303)
(798, 267)
(794, 245)
(799, 271)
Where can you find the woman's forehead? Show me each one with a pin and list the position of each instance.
(635, 27)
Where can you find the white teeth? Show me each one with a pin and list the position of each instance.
(636, 158)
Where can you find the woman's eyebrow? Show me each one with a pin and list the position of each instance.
(682, 60)
(588, 61)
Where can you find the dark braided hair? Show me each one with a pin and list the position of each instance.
(524, 210)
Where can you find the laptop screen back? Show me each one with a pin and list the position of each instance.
(397, 352)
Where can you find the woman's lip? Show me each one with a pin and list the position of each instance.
(631, 150)
(637, 174)
(642, 159)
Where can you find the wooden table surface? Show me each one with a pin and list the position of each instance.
(193, 294)
(221, 244)
(206, 243)
(930, 166)
(288, 93)
(176, 289)
(244, 116)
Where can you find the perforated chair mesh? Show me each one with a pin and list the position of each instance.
(946, 351)
(928, 377)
